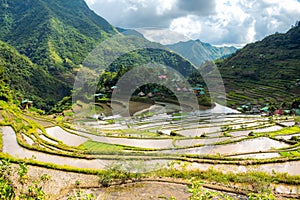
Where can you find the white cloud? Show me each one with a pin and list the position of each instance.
(214, 21)
(189, 26)
(163, 36)
(90, 2)
(164, 6)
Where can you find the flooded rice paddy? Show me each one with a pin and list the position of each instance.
(196, 133)
(252, 145)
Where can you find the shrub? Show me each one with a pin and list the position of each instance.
(251, 134)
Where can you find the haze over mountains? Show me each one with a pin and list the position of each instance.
(45, 42)
(198, 52)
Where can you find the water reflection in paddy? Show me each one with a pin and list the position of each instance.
(67, 138)
(28, 139)
(258, 156)
(47, 139)
(252, 145)
(192, 142)
(287, 137)
(11, 147)
(268, 129)
(198, 131)
(204, 141)
(288, 123)
(143, 143)
(287, 167)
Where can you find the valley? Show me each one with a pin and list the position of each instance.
(220, 140)
(89, 110)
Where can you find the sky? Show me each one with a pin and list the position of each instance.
(219, 22)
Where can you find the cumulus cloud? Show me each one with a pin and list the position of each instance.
(149, 13)
(136, 13)
(214, 21)
(190, 25)
(201, 7)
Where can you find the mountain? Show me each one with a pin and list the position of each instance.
(264, 71)
(55, 34)
(198, 52)
(30, 80)
(130, 32)
(44, 42)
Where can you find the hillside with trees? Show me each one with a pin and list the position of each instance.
(264, 71)
(57, 35)
(29, 80)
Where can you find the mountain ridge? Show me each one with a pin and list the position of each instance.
(198, 52)
(58, 33)
(47, 42)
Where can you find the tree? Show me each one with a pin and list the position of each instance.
(296, 103)
(272, 108)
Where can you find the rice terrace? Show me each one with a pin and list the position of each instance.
(233, 152)
(93, 111)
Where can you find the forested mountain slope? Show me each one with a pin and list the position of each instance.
(30, 80)
(266, 70)
(56, 34)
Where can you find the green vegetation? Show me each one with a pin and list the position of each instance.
(198, 52)
(54, 37)
(28, 80)
(259, 181)
(80, 195)
(41, 65)
(59, 34)
(250, 75)
(27, 189)
(64, 104)
(284, 131)
(199, 193)
(138, 58)
(115, 172)
(101, 147)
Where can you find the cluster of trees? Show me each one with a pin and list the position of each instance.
(29, 80)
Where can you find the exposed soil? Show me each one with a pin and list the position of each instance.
(44, 123)
(58, 181)
(133, 107)
(137, 106)
(141, 191)
(63, 185)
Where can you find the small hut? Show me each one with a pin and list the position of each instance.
(278, 112)
(150, 95)
(163, 77)
(297, 112)
(265, 109)
(25, 104)
(141, 94)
